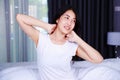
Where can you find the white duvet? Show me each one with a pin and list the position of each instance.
(18, 73)
(109, 69)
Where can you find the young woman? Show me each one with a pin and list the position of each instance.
(55, 49)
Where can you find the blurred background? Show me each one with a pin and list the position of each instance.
(96, 19)
(15, 45)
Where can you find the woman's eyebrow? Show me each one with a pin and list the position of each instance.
(67, 15)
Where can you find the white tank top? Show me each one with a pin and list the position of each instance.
(54, 61)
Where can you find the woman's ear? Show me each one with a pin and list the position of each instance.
(57, 21)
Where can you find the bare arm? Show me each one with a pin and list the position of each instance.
(84, 50)
(27, 24)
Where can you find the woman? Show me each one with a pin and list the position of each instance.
(55, 50)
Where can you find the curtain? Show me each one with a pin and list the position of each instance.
(3, 46)
(96, 19)
(16, 46)
(117, 15)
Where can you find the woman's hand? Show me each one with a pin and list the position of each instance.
(72, 36)
(51, 28)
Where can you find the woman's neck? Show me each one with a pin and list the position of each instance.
(57, 37)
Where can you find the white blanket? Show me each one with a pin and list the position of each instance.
(109, 69)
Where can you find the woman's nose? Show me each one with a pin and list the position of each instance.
(69, 22)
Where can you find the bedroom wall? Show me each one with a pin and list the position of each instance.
(117, 19)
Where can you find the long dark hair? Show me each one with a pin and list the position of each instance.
(61, 11)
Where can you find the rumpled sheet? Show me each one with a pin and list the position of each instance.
(109, 69)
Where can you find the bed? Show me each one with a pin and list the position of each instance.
(109, 69)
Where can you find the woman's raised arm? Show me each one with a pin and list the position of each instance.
(27, 24)
(84, 50)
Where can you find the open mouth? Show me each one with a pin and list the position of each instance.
(67, 27)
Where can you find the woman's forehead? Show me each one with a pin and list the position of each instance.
(70, 13)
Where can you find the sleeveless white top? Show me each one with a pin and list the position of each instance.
(54, 61)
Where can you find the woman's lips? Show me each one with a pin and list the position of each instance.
(67, 27)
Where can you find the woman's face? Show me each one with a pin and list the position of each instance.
(66, 22)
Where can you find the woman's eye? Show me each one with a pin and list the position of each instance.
(74, 21)
(67, 17)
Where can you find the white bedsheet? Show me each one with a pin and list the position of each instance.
(109, 69)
